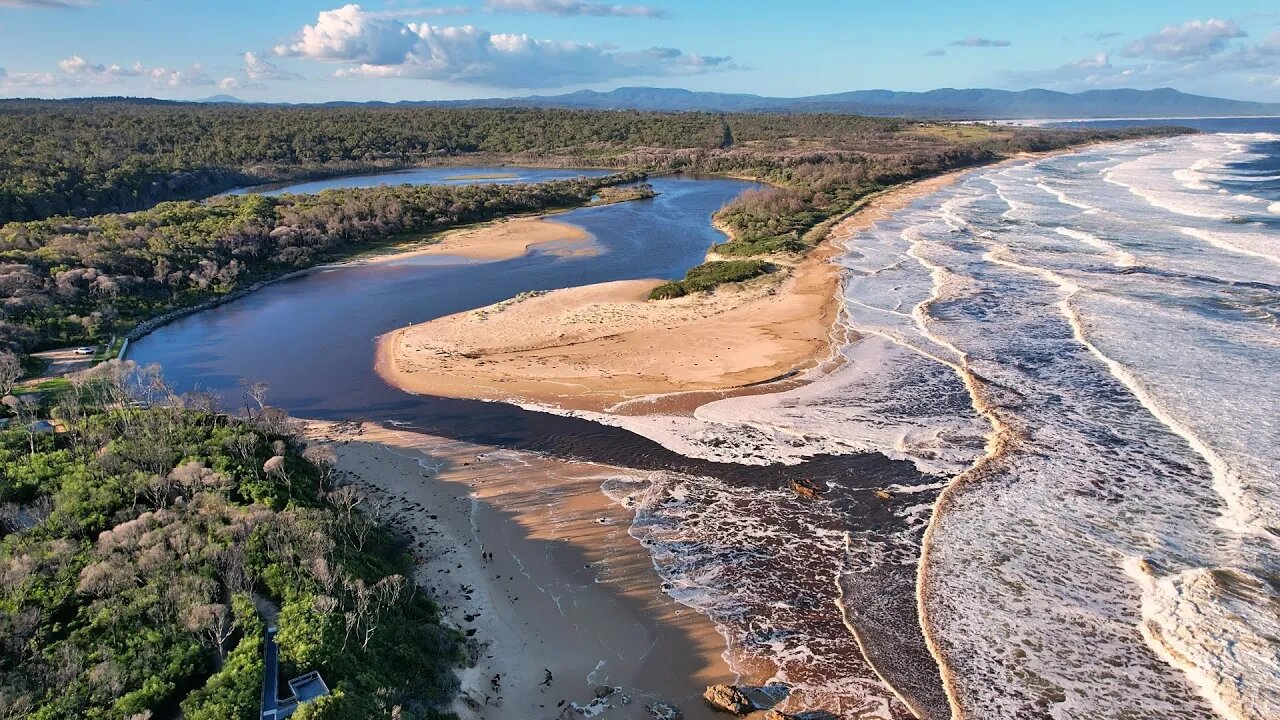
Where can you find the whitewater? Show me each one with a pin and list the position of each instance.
(1080, 354)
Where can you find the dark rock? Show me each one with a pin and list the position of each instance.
(604, 691)
(806, 488)
(727, 698)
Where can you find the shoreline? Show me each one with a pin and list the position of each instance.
(566, 589)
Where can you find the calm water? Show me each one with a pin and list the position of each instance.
(424, 176)
(312, 338)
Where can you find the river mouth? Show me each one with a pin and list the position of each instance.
(312, 339)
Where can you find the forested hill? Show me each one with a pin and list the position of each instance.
(945, 103)
(88, 157)
(85, 157)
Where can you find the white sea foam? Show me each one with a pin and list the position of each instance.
(732, 553)
(1110, 313)
(1262, 245)
(1218, 625)
(1142, 413)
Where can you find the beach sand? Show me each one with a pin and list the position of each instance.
(604, 347)
(501, 240)
(567, 590)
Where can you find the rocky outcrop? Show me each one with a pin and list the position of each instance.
(805, 488)
(727, 698)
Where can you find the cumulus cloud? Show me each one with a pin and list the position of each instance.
(349, 34)
(1201, 55)
(571, 8)
(1101, 60)
(77, 66)
(195, 76)
(374, 45)
(1194, 39)
(258, 68)
(255, 72)
(235, 83)
(980, 42)
(30, 79)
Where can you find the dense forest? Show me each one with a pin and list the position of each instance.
(98, 156)
(68, 280)
(88, 157)
(143, 547)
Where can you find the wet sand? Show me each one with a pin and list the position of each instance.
(567, 590)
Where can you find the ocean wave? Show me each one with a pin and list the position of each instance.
(1102, 452)
(1218, 625)
(763, 565)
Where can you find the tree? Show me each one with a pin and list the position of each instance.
(325, 461)
(10, 371)
(216, 621)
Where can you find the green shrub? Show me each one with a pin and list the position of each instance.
(667, 291)
(708, 275)
(788, 243)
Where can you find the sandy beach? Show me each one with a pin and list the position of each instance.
(607, 348)
(500, 240)
(566, 591)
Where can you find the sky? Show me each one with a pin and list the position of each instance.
(306, 51)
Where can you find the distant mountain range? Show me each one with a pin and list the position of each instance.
(948, 103)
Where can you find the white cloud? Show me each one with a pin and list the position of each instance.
(1194, 39)
(31, 79)
(235, 83)
(374, 45)
(195, 76)
(349, 34)
(258, 68)
(571, 8)
(1101, 60)
(939, 52)
(980, 42)
(77, 66)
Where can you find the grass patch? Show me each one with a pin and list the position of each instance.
(959, 133)
(47, 386)
(708, 276)
(786, 243)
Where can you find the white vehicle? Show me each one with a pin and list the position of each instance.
(86, 350)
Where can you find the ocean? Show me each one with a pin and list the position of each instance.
(1083, 352)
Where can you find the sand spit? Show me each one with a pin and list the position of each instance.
(607, 348)
(566, 590)
(501, 240)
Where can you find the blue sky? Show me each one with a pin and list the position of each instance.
(293, 50)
